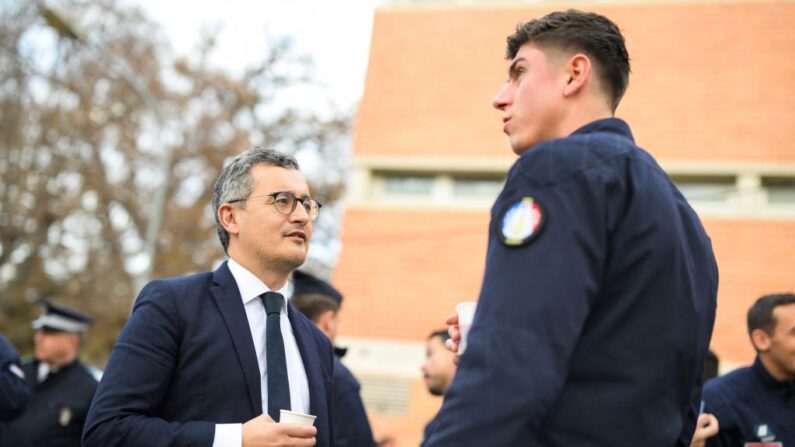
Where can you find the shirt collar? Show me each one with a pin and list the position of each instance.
(785, 388)
(252, 287)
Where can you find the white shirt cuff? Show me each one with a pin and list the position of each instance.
(228, 435)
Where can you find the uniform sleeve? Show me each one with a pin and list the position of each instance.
(716, 404)
(137, 379)
(13, 388)
(533, 305)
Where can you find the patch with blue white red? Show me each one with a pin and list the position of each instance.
(521, 222)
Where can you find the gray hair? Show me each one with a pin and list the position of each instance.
(235, 182)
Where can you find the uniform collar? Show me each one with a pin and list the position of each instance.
(252, 287)
(610, 125)
(786, 389)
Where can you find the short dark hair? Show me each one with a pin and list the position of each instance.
(235, 181)
(587, 32)
(313, 305)
(441, 333)
(760, 315)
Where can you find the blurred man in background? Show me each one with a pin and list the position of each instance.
(61, 387)
(438, 369)
(320, 302)
(756, 404)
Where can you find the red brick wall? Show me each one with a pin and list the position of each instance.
(710, 81)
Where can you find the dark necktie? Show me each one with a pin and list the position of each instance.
(278, 383)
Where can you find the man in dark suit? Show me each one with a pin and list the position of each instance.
(61, 387)
(210, 359)
(320, 302)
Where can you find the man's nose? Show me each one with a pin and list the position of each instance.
(502, 99)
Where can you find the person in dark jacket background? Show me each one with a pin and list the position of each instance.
(61, 387)
(756, 404)
(14, 390)
(320, 302)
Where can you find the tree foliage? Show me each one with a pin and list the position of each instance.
(81, 156)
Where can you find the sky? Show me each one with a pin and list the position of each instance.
(334, 34)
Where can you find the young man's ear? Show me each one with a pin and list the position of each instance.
(228, 217)
(760, 340)
(578, 72)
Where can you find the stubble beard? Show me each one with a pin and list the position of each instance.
(282, 262)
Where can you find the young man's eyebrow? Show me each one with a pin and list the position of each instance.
(512, 68)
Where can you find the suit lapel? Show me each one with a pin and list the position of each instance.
(315, 373)
(227, 297)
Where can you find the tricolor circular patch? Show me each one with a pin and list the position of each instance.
(521, 222)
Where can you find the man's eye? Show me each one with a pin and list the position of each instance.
(283, 200)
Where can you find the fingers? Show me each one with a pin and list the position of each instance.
(452, 320)
(299, 431)
(711, 427)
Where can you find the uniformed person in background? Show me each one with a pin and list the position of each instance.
(599, 291)
(61, 387)
(756, 404)
(438, 368)
(320, 302)
(13, 389)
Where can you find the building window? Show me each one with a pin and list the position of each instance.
(408, 185)
(477, 187)
(780, 190)
(709, 189)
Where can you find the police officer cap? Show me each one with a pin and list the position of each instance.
(304, 282)
(59, 318)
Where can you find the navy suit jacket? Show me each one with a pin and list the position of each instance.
(185, 361)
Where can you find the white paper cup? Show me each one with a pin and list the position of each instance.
(291, 417)
(466, 313)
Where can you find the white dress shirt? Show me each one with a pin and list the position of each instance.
(231, 435)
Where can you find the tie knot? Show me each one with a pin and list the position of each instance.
(273, 302)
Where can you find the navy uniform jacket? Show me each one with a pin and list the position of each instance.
(751, 406)
(591, 330)
(13, 389)
(56, 410)
(351, 427)
(185, 361)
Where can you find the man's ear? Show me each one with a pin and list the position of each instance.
(760, 340)
(227, 215)
(578, 74)
(326, 322)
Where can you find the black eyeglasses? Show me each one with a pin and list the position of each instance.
(285, 203)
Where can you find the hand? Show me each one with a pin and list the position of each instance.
(262, 431)
(455, 335)
(706, 427)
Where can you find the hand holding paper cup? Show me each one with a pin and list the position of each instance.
(466, 313)
(292, 417)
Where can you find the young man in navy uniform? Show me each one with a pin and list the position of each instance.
(61, 387)
(755, 406)
(320, 302)
(599, 292)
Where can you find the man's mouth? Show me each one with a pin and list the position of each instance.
(298, 234)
